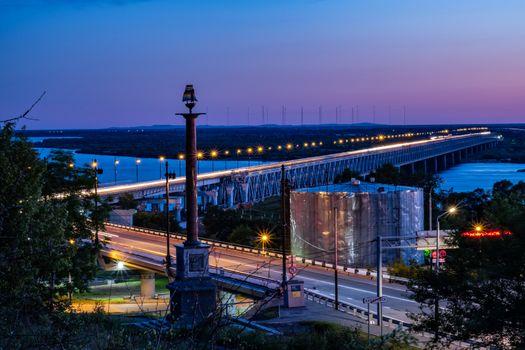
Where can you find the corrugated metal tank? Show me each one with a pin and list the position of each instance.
(358, 213)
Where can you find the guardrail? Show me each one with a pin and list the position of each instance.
(266, 252)
(352, 309)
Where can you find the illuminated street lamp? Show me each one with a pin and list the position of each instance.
(96, 171)
(264, 239)
(137, 163)
(213, 155)
(161, 159)
(249, 151)
(226, 153)
(115, 163)
(180, 157)
(239, 151)
(449, 211)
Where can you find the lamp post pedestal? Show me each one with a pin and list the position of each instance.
(193, 292)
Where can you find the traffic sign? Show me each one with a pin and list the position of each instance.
(292, 270)
(373, 300)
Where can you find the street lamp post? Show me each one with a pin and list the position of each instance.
(115, 163)
(450, 211)
(137, 162)
(213, 155)
(161, 159)
(169, 175)
(181, 157)
(97, 171)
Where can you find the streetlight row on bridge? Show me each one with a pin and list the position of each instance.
(251, 150)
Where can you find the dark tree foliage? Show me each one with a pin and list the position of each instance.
(45, 238)
(482, 283)
(127, 201)
(156, 221)
(239, 226)
(346, 175)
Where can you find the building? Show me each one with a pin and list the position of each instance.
(357, 213)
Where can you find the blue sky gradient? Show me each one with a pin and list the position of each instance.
(124, 63)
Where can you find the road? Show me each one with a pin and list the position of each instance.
(352, 288)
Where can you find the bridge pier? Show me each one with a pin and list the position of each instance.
(147, 284)
(178, 209)
(436, 167)
(229, 196)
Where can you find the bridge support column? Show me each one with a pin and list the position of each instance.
(229, 196)
(244, 192)
(425, 166)
(147, 284)
(436, 167)
(178, 209)
(453, 158)
(444, 162)
(412, 168)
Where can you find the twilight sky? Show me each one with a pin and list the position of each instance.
(124, 63)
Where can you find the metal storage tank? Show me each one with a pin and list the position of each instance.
(358, 212)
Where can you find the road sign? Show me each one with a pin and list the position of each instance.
(373, 300)
(292, 270)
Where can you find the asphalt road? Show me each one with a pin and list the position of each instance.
(352, 288)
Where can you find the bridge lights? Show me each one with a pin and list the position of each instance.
(213, 155)
(289, 146)
(115, 163)
(120, 265)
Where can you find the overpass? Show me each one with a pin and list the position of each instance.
(253, 184)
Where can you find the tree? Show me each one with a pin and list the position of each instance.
(45, 246)
(127, 201)
(346, 175)
(156, 221)
(483, 280)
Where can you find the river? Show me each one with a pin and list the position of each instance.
(467, 177)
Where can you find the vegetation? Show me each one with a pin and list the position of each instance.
(243, 225)
(127, 201)
(156, 221)
(46, 251)
(482, 280)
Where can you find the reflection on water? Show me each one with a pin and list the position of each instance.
(469, 176)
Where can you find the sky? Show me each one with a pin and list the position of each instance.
(107, 63)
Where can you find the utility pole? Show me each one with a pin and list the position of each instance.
(379, 278)
(167, 210)
(336, 260)
(284, 222)
(302, 116)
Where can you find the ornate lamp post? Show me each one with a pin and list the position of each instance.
(192, 292)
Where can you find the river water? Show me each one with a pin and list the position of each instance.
(467, 177)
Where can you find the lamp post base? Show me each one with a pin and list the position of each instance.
(193, 293)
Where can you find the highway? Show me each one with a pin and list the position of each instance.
(352, 288)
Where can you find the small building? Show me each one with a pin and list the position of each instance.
(357, 213)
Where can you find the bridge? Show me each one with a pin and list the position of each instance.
(255, 183)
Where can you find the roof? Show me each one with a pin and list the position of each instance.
(361, 187)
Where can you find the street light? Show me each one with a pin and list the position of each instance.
(226, 153)
(181, 157)
(161, 159)
(137, 162)
(200, 155)
(169, 175)
(249, 151)
(213, 155)
(239, 151)
(264, 239)
(450, 211)
(96, 172)
(115, 163)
